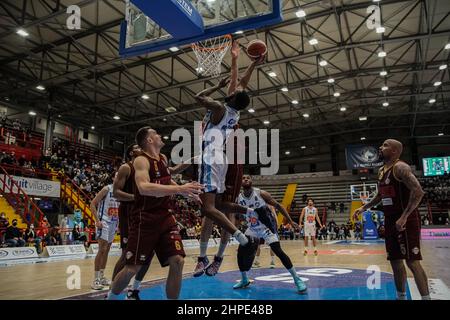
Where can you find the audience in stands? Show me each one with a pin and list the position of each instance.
(32, 238)
(79, 235)
(54, 237)
(13, 236)
(437, 189)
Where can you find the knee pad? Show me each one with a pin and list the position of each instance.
(246, 255)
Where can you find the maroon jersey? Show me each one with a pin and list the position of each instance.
(159, 173)
(394, 193)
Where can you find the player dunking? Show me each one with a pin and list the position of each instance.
(153, 229)
(401, 193)
(262, 225)
(106, 214)
(222, 117)
(308, 219)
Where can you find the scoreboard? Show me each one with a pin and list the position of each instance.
(436, 166)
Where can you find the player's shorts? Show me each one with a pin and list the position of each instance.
(124, 216)
(404, 244)
(159, 234)
(263, 233)
(108, 232)
(233, 182)
(213, 177)
(310, 230)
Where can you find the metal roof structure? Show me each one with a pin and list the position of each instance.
(87, 83)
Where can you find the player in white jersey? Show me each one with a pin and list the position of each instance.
(261, 224)
(218, 126)
(105, 209)
(308, 219)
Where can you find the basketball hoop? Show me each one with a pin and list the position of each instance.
(210, 53)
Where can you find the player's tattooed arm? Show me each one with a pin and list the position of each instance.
(404, 173)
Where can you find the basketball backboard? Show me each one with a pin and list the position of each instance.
(363, 192)
(189, 21)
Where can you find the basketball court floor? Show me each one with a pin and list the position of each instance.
(343, 270)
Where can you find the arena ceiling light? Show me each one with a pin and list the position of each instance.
(303, 147)
(116, 118)
(385, 104)
(266, 122)
(440, 134)
(343, 109)
(164, 119)
(272, 74)
(300, 13)
(287, 152)
(330, 80)
(22, 33)
(383, 73)
(313, 41)
(166, 138)
(92, 128)
(337, 94)
(380, 30)
(362, 118)
(40, 87)
(32, 113)
(284, 89)
(376, 0)
(384, 88)
(239, 32)
(305, 115)
(294, 101)
(363, 138)
(174, 49)
(145, 96)
(382, 54)
(437, 83)
(199, 70)
(323, 63)
(443, 67)
(251, 110)
(447, 46)
(432, 100)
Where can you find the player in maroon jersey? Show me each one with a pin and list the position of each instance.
(153, 229)
(401, 193)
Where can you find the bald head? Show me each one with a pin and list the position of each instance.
(396, 145)
(391, 149)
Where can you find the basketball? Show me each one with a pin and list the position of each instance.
(256, 49)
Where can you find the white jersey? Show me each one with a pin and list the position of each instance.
(108, 210)
(310, 216)
(215, 136)
(253, 201)
(263, 227)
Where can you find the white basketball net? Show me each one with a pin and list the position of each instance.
(210, 53)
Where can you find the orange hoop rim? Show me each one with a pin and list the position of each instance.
(196, 47)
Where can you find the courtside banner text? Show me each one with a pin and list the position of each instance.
(34, 187)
